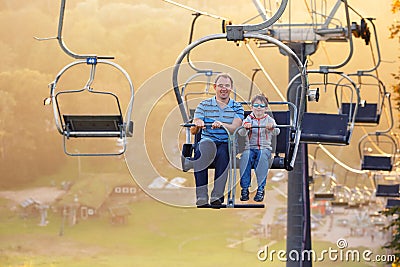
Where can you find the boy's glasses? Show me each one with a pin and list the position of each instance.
(259, 105)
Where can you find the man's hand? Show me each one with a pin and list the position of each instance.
(216, 124)
(194, 130)
(199, 124)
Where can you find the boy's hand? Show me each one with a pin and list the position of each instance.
(270, 126)
(247, 125)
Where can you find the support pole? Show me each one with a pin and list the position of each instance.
(298, 203)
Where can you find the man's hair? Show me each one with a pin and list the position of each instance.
(260, 97)
(223, 75)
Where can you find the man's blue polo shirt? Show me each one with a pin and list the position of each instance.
(209, 111)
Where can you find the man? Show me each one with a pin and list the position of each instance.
(213, 116)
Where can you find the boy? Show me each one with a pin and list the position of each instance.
(258, 149)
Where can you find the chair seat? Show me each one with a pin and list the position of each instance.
(93, 125)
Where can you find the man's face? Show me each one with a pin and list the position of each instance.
(223, 88)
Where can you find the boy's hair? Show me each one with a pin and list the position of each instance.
(223, 75)
(260, 97)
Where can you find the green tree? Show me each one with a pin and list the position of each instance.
(394, 227)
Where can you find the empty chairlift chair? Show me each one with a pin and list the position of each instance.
(93, 125)
(377, 151)
(329, 127)
(342, 196)
(388, 190)
(326, 189)
(370, 86)
(369, 110)
(392, 202)
(89, 125)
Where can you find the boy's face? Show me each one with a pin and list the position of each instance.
(258, 108)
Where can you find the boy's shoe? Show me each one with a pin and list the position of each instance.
(244, 196)
(259, 196)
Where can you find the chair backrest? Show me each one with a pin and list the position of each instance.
(387, 190)
(376, 163)
(325, 128)
(282, 140)
(392, 202)
(367, 113)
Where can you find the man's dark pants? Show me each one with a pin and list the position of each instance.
(208, 152)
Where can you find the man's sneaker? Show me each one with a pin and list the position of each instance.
(244, 196)
(259, 196)
(215, 201)
(201, 201)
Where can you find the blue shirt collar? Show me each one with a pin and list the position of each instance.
(214, 102)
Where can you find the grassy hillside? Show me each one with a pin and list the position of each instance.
(155, 235)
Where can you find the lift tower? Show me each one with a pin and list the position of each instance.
(303, 39)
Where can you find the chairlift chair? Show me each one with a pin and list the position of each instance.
(277, 162)
(356, 199)
(329, 128)
(295, 134)
(187, 162)
(384, 145)
(381, 160)
(324, 196)
(89, 125)
(342, 196)
(388, 190)
(92, 125)
(327, 182)
(392, 202)
(283, 149)
(368, 113)
(326, 190)
(237, 33)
